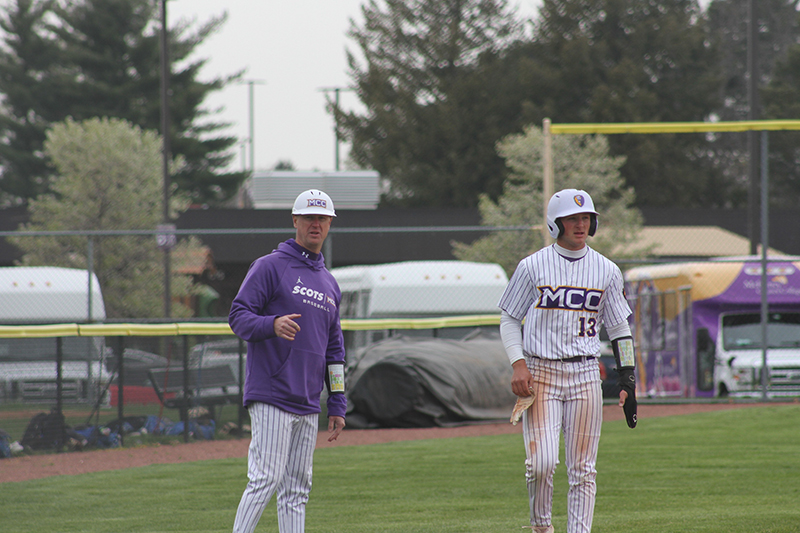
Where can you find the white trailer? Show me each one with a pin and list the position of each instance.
(417, 289)
(50, 295)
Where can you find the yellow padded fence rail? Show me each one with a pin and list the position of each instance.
(222, 328)
(674, 127)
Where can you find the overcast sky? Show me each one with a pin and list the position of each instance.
(292, 50)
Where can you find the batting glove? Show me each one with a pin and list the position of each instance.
(627, 382)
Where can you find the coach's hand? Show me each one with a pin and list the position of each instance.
(285, 326)
(627, 395)
(335, 426)
(521, 380)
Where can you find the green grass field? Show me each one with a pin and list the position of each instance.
(726, 471)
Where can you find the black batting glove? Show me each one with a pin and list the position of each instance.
(627, 382)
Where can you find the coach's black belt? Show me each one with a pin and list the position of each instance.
(578, 359)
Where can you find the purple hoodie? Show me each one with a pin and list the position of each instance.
(289, 374)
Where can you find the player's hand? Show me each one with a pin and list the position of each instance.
(521, 380)
(285, 327)
(335, 426)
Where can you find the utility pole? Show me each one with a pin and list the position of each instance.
(166, 238)
(337, 139)
(752, 136)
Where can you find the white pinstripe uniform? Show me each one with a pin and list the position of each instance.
(271, 467)
(563, 303)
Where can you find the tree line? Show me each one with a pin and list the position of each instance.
(442, 83)
(87, 59)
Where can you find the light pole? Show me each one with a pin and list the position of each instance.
(335, 91)
(243, 150)
(251, 120)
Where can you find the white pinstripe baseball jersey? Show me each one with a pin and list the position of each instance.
(564, 302)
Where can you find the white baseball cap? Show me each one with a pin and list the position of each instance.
(313, 202)
(569, 202)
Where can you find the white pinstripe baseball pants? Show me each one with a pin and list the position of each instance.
(569, 398)
(279, 458)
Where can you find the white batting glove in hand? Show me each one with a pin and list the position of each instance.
(523, 402)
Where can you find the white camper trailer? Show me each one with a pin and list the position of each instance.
(49, 295)
(417, 289)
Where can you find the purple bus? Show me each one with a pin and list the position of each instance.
(697, 328)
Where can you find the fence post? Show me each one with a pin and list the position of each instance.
(765, 374)
(328, 251)
(59, 389)
(90, 270)
(121, 386)
(185, 403)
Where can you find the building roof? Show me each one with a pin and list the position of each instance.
(694, 241)
(277, 189)
(781, 223)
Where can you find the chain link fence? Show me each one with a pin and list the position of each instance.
(169, 368)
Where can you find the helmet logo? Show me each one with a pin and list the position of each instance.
(579, 200)
(317, 202)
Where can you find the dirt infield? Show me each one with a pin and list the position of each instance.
(40, 466)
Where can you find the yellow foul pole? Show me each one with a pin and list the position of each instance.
(547, 190)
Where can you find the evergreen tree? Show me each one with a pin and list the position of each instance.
(580, 162)
(778, 29)
(633, 61)
(104, 61)
(29, 83)
(434, 112)
(436, 98)
(781, 100)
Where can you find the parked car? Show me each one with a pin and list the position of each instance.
(609, 375)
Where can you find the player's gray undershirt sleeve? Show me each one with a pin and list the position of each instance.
(623, 329)
(511, 335)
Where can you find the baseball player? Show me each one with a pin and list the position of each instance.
(287, 310)
(564, 293)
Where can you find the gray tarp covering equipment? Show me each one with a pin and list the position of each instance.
(413, 382)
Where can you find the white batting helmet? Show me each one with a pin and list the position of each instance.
(569, 202)
(313, 202)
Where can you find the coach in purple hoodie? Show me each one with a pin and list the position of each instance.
(287, 310)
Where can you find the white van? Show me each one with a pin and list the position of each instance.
(50, 295)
